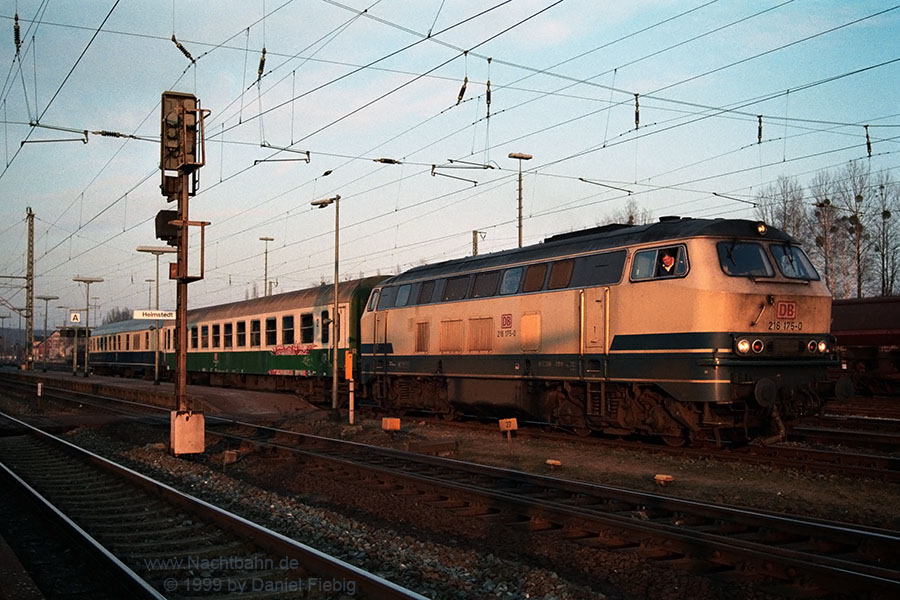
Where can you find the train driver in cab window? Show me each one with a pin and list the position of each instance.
(666, 262)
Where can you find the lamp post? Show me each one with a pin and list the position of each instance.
(334, 317)
(3, 319)
(520, 157)
(266, 267)
(87, 281)
(46, 300)
(156, 251)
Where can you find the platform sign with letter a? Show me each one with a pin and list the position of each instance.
(74, 317)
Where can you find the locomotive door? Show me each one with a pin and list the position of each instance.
(379, 355)
(595, 314)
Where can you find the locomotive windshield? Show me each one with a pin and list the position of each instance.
(750, 259)
(744, 259)
(793, 262)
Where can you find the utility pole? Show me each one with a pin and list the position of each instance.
(520, 157)
(29, 296)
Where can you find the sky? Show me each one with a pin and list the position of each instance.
(653, 102)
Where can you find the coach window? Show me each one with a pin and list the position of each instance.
(227, 332)
(147, 340)
(485, 284)
(744, 259)
(195, 337)
(307, 332)
(271, 331)
(560, 274)
(534, 278)
(216, 335)
(287, 329)
(204, 336)
(509, 284)
(325, 326)
(241, 334)
(402, 295)
(255, 333)
(426, 293)
(456, 288)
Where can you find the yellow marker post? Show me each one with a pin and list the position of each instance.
(509, 425)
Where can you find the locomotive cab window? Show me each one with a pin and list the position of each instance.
(744, 259)
(659, 263)
(373, 301)
(793, 262)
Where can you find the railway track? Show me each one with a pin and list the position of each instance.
(805, 556)
(784, 552)
(843, 462)
(158, 542)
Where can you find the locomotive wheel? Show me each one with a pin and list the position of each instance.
(674, 441)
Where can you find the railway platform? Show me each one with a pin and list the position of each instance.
(211, 400)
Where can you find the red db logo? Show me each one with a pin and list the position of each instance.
(786, 311)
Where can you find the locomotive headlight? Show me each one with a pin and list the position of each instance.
(758, 346)
(811, 346)
(823, 347)
(743, 346)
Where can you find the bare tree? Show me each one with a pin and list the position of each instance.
(857, 200)
(823, 229)
(631, 214)
(887, 244)
(115, 315)
(781, 205)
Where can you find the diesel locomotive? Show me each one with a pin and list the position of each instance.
(681, 329)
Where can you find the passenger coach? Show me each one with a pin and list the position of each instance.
(671, 329)
(279, 342)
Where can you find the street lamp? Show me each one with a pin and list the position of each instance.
(3, 319)
(46, 300)
(520, 157)
(149, 283)
(87, 281)
(334, 317)
(266, 271)
(156, 251)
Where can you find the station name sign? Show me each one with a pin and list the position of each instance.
(155, 314)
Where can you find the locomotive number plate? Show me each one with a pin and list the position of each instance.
(785, 326)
